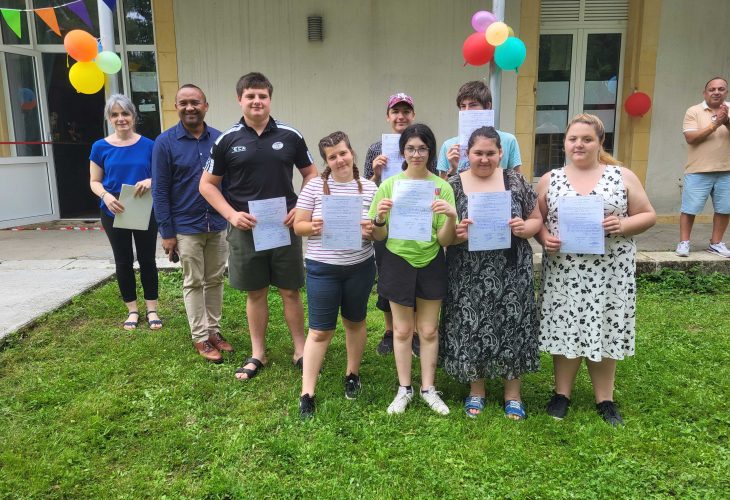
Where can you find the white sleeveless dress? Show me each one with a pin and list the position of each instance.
(588, 302)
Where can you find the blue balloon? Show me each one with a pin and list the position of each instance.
(511, 54)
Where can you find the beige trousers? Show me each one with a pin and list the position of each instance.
(203, 258)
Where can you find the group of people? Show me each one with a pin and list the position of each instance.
(475, 313)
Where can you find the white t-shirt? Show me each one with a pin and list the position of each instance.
(310, 199)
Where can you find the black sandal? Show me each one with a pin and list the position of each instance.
(154, 324)
(299, 364)
(250, 373)
(131, 325)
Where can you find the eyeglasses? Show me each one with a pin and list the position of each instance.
(411, 151)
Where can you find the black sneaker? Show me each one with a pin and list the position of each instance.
(386, 343)
(609, 412)
(558, 405)
(416, 345)
(306, 406)
(352, 386)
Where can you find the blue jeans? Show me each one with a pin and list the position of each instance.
(698, 187)
(331, 288)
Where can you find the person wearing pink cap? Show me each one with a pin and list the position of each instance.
(400, 114)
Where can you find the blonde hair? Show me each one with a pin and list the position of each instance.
(599, 129)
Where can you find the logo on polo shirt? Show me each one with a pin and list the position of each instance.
(238, 149)
(277, 145)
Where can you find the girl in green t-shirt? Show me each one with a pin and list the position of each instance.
(413, 273)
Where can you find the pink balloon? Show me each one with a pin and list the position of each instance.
(481, 20)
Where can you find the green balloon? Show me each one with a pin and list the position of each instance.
(511, 54)
(108, 62)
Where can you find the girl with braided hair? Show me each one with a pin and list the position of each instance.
(338, 281)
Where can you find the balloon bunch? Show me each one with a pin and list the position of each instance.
(493, 40)
(87, 73)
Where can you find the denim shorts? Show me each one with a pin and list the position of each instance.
(331, 288)
(698, 187)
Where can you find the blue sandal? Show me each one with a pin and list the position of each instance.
(475, 403)
(514, 410)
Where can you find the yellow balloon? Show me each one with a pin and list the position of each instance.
(511, 31)
(497, 33)
(86, 77)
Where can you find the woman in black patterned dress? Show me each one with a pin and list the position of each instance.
(489, 324)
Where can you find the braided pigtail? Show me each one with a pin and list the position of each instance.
(356, 175)
(325, 176)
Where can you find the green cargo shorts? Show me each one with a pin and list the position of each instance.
(250, 270)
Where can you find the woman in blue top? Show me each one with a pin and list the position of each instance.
(125, 157)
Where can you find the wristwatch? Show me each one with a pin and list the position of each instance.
(378, 224)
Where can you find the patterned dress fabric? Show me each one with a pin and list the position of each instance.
(588, 302)
(489, 318)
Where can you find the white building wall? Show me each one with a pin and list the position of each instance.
(371, 49)
(689, 54)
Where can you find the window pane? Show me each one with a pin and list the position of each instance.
(22, 124)
(9, 36)
(603, 54)
(68, 21)
(138, 22)
(145, 95)
(553, 99)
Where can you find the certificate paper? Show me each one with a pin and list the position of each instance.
(411, 217)
(391, 149)
(341, 215)
(469, 121)
(137, 210)
(269, 231)
(491, 213)
(580, 224)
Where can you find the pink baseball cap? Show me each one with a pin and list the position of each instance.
(398, 98)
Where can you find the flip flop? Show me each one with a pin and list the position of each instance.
(131, 325)
(514, 410)
(154, 324)
(475, 403)
(249, 372)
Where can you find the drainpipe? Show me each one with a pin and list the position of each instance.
(495, 74)
(106, 32)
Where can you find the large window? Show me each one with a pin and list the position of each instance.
(578, 72)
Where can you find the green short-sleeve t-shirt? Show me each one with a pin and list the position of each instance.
(416, 253)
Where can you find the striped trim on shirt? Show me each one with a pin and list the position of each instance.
(310, 199)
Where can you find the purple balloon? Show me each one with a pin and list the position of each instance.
(481, 20)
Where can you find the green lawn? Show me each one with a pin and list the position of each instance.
(88, 410)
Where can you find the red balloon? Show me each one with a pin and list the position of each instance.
(476, 50)
(637, 104)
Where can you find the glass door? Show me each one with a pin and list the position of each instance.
(27, 178)
(578, 72)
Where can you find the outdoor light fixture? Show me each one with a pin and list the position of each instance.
(315, 30)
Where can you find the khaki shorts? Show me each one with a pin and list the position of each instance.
(250, 270)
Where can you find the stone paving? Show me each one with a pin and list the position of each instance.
(41, 270)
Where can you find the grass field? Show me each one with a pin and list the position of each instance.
(88, 410)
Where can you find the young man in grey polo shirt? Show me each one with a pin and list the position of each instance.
(256, 157)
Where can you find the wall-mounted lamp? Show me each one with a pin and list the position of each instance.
(315, 29)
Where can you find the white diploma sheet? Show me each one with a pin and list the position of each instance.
(580, 224)
(391, 150)
(411, 217)
(491, 213)
(137, 210)
(469, 121)
(341, 228)
(269, 231)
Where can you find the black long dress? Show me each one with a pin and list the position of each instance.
(489, 322)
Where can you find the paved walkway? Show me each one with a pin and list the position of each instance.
(41, 270)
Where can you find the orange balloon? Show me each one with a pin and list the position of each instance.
(81, 45)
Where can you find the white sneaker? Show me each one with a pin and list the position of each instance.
(719, 249)
(433, 399)
(683, 249)
(401, 400)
